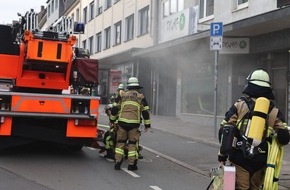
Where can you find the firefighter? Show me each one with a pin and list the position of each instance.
(251, 165)
(110, 135)
(120, 87)
(114, 97)
(131, 106)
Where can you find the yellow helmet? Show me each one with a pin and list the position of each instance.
(259, 77)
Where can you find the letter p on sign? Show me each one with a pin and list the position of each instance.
(216, 29)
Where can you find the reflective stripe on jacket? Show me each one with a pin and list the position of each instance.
(131, 107)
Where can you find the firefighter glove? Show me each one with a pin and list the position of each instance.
(283, 136)
(222, 158)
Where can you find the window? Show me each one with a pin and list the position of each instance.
(48, 10)
(118, 33)
(166, 9)
(206, 8)
(99, 7)
(242, 4)
(78, 15)
(172, 6)
(143, 20)
(107, 37)
(56, 4)
(52, 6)
(85, 13)
(91, 44)
(130, 27)
(99, 42)
(84, 44)
(108, 4)
(180, 5)
(92, 10)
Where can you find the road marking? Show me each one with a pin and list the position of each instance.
(155, 187)
(190, 167)
(130, 172)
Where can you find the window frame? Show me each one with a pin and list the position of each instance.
(98, 42)
(118, 33)
(108, 4)
(85, 15)
(91, 45)
(56, 4)
(77, 15)
(242, 5)
(129, 26)
(48, 11)
(107, 33)
(99, 8)
(204, 16)
(84, 44)
(170, 7)
(52, 6)
(92, 11)
(143, 14)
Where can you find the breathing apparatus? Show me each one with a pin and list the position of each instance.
(256, 127)
(227, 139)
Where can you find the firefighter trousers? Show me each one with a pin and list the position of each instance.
(132, 136)
(246, 182)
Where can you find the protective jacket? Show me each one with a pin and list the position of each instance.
(131, 108)
(239, 115)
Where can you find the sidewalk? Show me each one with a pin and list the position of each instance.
(206, 134)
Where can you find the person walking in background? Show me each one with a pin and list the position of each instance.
(251, 161)
(131, 107)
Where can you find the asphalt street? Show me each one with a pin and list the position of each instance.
(190, 145)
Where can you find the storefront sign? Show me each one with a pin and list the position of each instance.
(235, 46)
(180, 24)
(115, 80)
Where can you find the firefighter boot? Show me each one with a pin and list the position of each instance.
(118, 165)
(140, 156)
(133, 167)
(110, 154)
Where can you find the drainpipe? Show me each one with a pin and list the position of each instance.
(155, 35)
(155, 18)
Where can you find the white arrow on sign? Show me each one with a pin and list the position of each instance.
(216, 42)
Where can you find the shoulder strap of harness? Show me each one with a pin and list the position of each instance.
(244, 112)
(272, 116)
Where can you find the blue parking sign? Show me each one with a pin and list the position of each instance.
(216, 29)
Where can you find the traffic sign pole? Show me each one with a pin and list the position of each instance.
(215, 90)
(216, 33)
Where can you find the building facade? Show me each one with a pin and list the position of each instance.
(167, 45)
(183, 69)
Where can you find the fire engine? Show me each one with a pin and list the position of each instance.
(35, 68)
